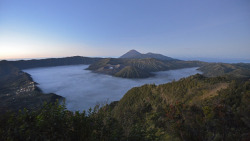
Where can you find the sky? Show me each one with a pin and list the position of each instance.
(215, 29)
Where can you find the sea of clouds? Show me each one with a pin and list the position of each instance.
(84, 89)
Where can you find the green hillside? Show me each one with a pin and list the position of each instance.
(241, 70)
(196, 108)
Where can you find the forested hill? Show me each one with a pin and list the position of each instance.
(233, 71)
(74, 60)
(196, 108)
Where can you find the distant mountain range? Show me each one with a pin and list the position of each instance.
(134, 64)
(138, 68)
(133, 54)
(50, 62)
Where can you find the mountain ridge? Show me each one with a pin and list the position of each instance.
(134, 54)
(112, 66)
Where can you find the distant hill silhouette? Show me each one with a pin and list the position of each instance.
(50, 62)
(133, 54)
(240, 70)
(138, 68)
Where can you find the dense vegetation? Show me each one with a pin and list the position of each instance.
(240, 70)
(194, 108)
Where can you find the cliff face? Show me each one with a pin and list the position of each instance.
(18, 90)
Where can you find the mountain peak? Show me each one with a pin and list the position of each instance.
(133, 54)
(134, 51)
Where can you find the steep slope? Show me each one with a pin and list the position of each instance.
(192, 90)
(132, 54)
(158, 56)
(189, 109)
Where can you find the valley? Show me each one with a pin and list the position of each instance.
(124, 70)
(83, 89)
(140, 98)
(136, 68)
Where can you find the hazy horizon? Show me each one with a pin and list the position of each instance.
(178, 29)
(216, 60)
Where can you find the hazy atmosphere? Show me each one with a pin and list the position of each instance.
(84, 89)
(192, 29)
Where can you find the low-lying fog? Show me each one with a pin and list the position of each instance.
(84, 89)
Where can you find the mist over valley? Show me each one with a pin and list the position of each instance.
(84, 89)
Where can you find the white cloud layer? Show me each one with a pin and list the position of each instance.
(84, 89)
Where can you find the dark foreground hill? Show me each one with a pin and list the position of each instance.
(196, 108)
(18, 90)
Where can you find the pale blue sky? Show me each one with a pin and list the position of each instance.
(182, 29)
